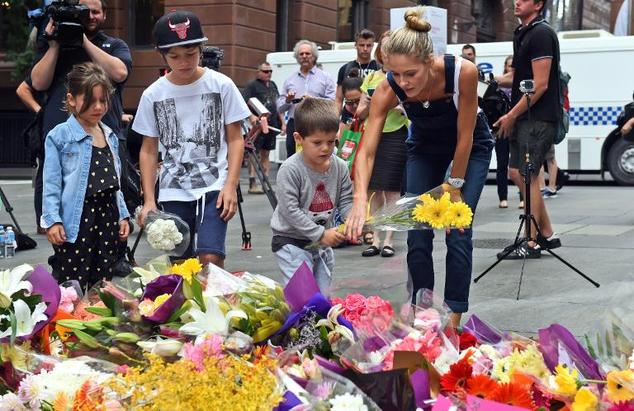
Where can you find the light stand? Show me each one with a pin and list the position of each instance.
(527, 218)
(9, 208)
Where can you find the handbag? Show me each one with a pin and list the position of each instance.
(350, 143)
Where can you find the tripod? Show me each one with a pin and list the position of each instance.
(254, 160)
(9, 208)
(526, 221)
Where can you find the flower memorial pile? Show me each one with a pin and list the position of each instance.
(170, 337)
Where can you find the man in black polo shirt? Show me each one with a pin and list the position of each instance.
(111, 53)
(363, 64)
(265, 90)
(535, 57)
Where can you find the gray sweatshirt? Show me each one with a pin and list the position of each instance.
(306, 199)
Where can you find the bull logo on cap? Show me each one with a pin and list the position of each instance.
(179, 28)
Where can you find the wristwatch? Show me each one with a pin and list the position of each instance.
(455, 182)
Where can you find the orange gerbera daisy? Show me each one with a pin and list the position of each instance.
(456, 379)
(481, 386)
(514, 395)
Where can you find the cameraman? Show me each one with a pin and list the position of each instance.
(111, 53)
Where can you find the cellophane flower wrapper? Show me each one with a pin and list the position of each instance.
(261, 298)
(167, 232)
(332, 391)
(611, 341)
(375, 352)
(559, 346)
(439, 208)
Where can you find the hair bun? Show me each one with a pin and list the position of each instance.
(414, 21)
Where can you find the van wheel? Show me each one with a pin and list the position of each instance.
(621, 162)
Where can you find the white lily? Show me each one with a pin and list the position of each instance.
(163, 347)
(11, 282)
(212, 321)
(146, 276)
(332, 323)
(25, 320)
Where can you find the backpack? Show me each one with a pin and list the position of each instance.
(564, 102)
(494, 103)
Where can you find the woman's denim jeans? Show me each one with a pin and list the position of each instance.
(424, 172)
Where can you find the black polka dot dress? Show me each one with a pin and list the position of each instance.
(92, 256)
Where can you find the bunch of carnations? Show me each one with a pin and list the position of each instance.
(367, 314)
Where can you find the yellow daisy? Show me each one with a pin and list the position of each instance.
(620, 385)
(585, 400)
(435, 213)
(187, 269)
(566, 380)
(459, 215)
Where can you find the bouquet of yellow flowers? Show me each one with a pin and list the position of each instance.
(438, 209)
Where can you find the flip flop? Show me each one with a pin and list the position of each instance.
(387, 251)
(371, 251)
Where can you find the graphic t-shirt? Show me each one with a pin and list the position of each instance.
(364, 69)
(189, 121)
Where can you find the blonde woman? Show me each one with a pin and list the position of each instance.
(439, 96)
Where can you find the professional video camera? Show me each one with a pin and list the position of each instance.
(69, 18)
(212, 57)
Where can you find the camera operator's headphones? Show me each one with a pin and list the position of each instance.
(178, 28)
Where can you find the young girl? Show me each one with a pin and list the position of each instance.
(83, 209)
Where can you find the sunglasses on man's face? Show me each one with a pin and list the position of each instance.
(266, 71)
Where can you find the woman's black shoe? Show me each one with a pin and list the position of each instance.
(371, 251)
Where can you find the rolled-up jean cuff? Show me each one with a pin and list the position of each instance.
(458, 306)
(211, 251)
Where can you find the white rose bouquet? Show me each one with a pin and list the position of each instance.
(167, 232)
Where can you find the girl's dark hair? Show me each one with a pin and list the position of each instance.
(82, 79)
(351, 83)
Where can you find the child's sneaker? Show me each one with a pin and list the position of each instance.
(549, 193)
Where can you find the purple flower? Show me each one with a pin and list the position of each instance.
(165, 284)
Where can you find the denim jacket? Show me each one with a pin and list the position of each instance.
(68, 151)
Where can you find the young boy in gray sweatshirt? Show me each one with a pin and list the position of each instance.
(311, 184)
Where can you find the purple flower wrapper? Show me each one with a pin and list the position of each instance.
(165, 284)
(554, 339)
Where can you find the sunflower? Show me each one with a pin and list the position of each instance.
(620, 385)
(566, 380)
(514, 395)
(459, 215)
(585, 400)
(481, 386)
(435, 213)
(426, 198)
(456, 379)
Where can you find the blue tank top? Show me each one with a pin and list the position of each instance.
(434, 129)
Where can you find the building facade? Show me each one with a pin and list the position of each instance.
(249, 29)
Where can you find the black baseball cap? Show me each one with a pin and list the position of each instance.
(178, 28)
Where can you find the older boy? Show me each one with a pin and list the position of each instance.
(310, 186)
(195, 114)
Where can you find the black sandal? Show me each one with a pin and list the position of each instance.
(368, 238)
(387, 251)
(371, 251)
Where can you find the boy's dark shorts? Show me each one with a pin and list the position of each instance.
(537, 136)
(266, 141)
(210, 229)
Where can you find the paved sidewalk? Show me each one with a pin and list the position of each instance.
(596, 223)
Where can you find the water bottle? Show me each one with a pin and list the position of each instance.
(10, 244)
(2, 242)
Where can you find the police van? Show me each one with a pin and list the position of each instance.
(600, 66)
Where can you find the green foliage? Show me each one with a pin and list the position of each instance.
(14, 36)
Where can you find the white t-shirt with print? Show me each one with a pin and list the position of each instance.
(189, 121)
